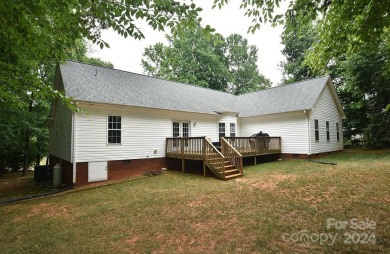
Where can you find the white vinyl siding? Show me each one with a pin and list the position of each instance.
(325, 110)
(291, 127)
(143, 131)
(60, 132)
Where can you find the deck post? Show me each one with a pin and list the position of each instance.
(204, 155)
(182, 154)
(254, 158)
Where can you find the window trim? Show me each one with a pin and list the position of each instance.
(337, 131)
(316, 130)
(116, 129)
(327, 128)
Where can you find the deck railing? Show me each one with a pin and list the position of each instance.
(231, 154)
(253, 146)
(187, 148)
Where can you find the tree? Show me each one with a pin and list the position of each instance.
(297, 40)
(42, 31)
(242, 62)
(366, 92)
(361, 79)
(192, 57)
(344, 26)
(23, 129)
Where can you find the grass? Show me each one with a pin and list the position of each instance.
(184, 213)
(14, 185)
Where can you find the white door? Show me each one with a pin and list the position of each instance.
(180, 129)
(97, 171)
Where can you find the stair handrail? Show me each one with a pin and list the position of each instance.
(232, 154)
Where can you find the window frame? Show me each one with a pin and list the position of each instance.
(219, 130)
(316, 130)
(232, 126)
(337, 131)
(115, 129)
(327, 128)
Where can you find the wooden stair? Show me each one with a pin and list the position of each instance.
(231, 171)
(221, 166)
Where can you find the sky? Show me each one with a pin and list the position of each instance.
(126, 54)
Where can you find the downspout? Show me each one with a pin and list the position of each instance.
(74, 117)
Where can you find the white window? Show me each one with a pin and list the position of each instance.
(327, 131)
(232, 129)
(337, 132)
(114, 130)
(176, 129)
(316, 130)
(185, 129)
(222, 130)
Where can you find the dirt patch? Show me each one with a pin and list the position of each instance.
(47, 211)
(195, 203)
(268, 184)
(12, 185)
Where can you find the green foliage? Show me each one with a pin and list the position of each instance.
(23, 129)
(196, 57)
(344, 26)
(361, 79)
(191, 57)
(297, 39)
(242, 62)
(366, 93)
(43, 31)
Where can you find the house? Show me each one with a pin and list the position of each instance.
(133, 123)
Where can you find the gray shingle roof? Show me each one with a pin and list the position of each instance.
(294, 97)
(124, 88)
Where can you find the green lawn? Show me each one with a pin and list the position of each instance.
(183, 213)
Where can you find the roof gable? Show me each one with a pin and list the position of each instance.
(293, 97)
(91, 83)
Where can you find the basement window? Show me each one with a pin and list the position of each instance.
(114, 130)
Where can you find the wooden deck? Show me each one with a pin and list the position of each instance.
(226, 163)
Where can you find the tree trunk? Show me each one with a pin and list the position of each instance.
(38, 156)
(2, 166)
(26, 152)
(27, 143)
